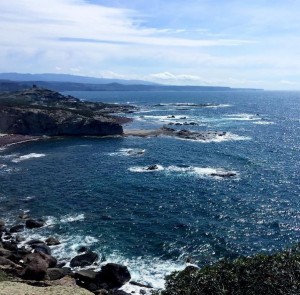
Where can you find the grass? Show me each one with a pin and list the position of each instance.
(3, 276)
(261, 274)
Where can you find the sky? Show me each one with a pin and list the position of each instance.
(193, 42)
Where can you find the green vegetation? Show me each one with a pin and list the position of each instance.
(3, 276)
(262, 274)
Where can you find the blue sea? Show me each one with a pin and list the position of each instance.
(97, 191)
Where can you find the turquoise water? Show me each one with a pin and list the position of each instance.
(96, 192)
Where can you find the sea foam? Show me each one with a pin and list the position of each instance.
(27, 157)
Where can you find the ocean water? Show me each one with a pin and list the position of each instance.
(98, 192)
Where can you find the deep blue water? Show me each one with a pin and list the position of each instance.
(92, 192)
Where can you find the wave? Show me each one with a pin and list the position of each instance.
(27, 157)
(217, 139)
(50, 220)
(263, 123)
(202, 172)
(128, 152)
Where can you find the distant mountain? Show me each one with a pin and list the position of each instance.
(62, 82)
(68, 78)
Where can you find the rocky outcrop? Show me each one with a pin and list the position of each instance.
(85, 259)
(37, 112)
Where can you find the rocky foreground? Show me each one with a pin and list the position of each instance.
(32, 263)
(40, 112)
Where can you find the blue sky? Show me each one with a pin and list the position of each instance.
(194, 42)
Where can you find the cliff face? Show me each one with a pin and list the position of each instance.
(43, 112)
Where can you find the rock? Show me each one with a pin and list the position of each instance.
(17, 228)
(2, 223)
(24, 216)
(106, 217)
(10, 245)
(117, 292)
(4, 252)
(41, 248)
(57, 273)
(85, 259)
(34, 241)
(224, 174)
(140, 285)
(143, 292)
(31, 223)
(101, 292)
(82, 249)
(6, 262)
(115, 275)
(152, 167)
(36, 268)
(87, 279)
(19, 239)
(52, 241)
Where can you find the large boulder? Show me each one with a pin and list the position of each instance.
(36, 267)
(31, 223)
(115, 275)
(57, 273)
(41, 248)
(83, 260)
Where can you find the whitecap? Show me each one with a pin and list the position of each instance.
(72, 218)
(228, 136)
(27, 157)
(263, 123)
(141, 169)
(128, 152)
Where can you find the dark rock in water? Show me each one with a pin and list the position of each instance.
(152, 167)
(2, 223)
(36, 267)
(140, 285)
(117, 292)
(24, 216)
(51, 241)
(19, 239)
(223, 174)
(31, 223)
(85, 259)
(34, 241)
(41, 248)
(115, 275)
(17, 228)
(82, 249)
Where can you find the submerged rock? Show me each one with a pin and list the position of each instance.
(51, 241)
(17, 228)
(152, 167)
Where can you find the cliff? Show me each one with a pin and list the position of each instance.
(38, 111)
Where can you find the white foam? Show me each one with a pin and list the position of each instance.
(243, 117)
(203, 172)
(145, 169)
(263, 123)
(27, 157)
(72, 218)
(226, 137)
(128, 152)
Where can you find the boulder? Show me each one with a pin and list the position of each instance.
(6, 262)
(82, 249)
(41, 248)
(85, 259)
(51, 241)
(57, 273)
(36, 267)
(31, 223)
(23, 216)
(152, 167)
(115, 275)
(34, 241)
(87, 279)
(2, 223)
(17, 228)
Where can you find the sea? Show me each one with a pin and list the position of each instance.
(98, 192)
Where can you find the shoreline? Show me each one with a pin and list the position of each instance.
(7, 140)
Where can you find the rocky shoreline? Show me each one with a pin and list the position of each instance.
(31, 262)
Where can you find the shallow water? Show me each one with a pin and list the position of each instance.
(98, 192)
